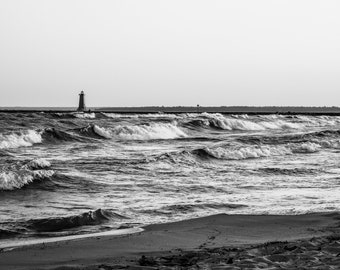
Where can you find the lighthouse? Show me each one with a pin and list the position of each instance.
(81, 107)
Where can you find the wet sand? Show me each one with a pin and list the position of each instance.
(222, 241)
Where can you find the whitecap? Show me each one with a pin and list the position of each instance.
(247, 152)
(85, 115)
(245, 123)
(148, 132)
(10, 180)
(14, 140)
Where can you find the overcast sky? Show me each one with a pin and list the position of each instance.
(155, 52)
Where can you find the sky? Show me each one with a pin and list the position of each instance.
(170, 53)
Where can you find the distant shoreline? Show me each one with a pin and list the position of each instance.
(330, 111)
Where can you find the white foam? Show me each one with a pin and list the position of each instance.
(148, 115)
(262, 151)
(247, 152)
(85, 115)
(39, 163)
(142, 132)
(245, 123)
(159, 115)
(118, 115)
(10, 180)
(102, 131)
(308, 147)
(148, 132)
(14, 140)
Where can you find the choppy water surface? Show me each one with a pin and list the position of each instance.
(66, 174)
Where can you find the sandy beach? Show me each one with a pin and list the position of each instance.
(310, 241)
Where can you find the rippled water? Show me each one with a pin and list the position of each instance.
(66, 174)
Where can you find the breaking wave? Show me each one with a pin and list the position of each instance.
(15, 140)
(31, 137)
(37, 164)
(148, 115)
(85, 115)
(218, 121)
(54, 135)
(255, 151)
(124, 132)
(92, 131)
(241, 153)
(140, 132)
(79, 115)
(228, 152)
(148, 132)
(308, 147)
(90, 218)
(19, 175)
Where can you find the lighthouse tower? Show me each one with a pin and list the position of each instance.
(81, 107)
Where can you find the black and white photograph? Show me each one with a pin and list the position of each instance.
(167, 134)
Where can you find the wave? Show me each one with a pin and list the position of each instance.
(249, 152)
(116, 115)
(134, 132)
(229, 152)
(124, 132)
(241, 153)
(22, 139)
(148, 115)
(218, 121)
(60, 115)
(148, 132)
(309, 147)
(79, 115)
(54, 135)
(325, 138)
(85, 115)
(139, 132)
(19, 175)
(100, 115)
(39, 163)
(93, 131)
(90, 218)
(15, 180)
(47, 135)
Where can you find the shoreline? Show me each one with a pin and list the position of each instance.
(156, 241)
(37, 241)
